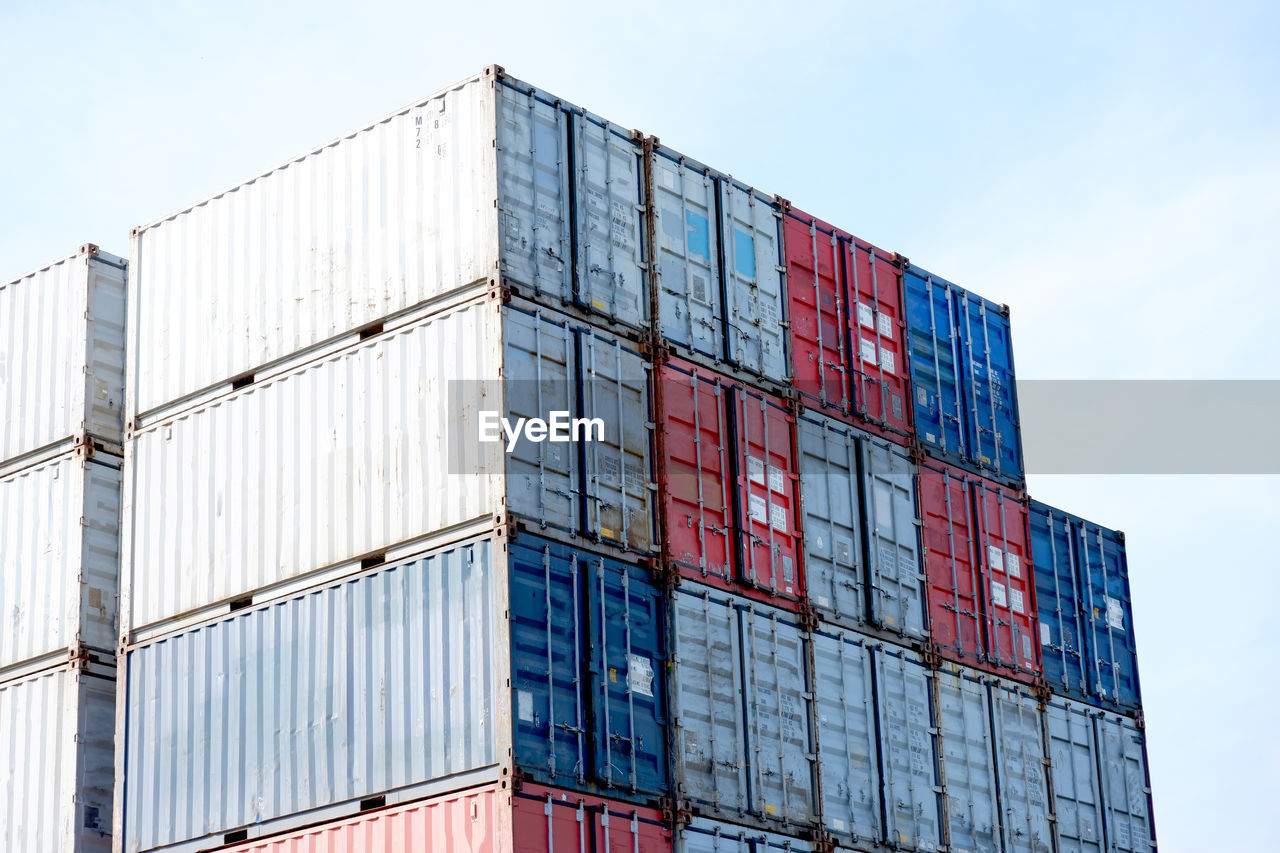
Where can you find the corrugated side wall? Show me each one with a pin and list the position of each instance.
(702, 835)
(373, 223)
(62, 354)
(968, 763)
(1017, 729)
(59, 558)
(57, 739)
(378, 683)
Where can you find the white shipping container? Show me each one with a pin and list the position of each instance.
(59, 557)
(489, 177)
(57, 737)
(62, 354)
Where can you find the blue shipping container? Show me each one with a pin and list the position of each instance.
(966, 406)
(1086, 613)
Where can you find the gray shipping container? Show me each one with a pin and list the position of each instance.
(702, 835)
(1021, 759)
(59, 558)
(489, 177)
(861, 528)
(741, 707)
(57, 737)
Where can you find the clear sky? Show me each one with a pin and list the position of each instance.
(1111, 173)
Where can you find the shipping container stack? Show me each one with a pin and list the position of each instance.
(61, 422)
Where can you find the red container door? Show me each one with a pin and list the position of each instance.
(954, 578)
(548, 820)
(1011, 636)
(768, 495)
(817, 313)
(878, 334)
(695, 480)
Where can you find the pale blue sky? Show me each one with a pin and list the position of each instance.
(1112, 174)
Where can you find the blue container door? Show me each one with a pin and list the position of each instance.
(936, 363)
(1053, 549)
(628, 678)
(1112, 665)
(994, 439)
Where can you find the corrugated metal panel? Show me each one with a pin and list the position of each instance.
(1077, 800)
(968, 763)
(1010, 633)
(911, 788)
(1112, 663)
(555, 821)
(1125, 783)
(590, 699)
(878, 350)
(995, 434)
(848, 736)
(740, 698)
(1058, 597)
(703, 835)
(59, 558)
(846, 477)
(374, 223)
(818, 310)
(374, 684)
(1018, 735)
(57, 732)
(267, 477)
(62, 353)
(755, 293)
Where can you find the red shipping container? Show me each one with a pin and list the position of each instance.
(982, 607)
(848, 327)
(728, 481)
(489, 819)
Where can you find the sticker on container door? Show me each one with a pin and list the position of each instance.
(1015, 599)
(884, 324)
(639, 675)
(668, 178)
(777, 479)
(1046, 635)
(1115, 613)
(777, 517)
(886, 359)
(867, 349)
(995, 558)
(755, 470)
(866, 317)
(997, 595)
(1013, 565)
(1026, 651)
(759, 509)
(524, 706)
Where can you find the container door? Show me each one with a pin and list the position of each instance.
(627, 675)
(1073, 756)
(707, 702)
(1108, 617)
(609, 207)
(618, 470)
(968, 767)
(702, 835)
(539, 366)
(817, 313)
(777, 698)
(994, 439)
(893, 539)
(878, 348)
(912, 793)
(754, 290)
(1020, 756)
(690, 303)
(847, 737)
(549, 696)
(954, 582)
(832, 518)
(1058, 612)
(533, 192)
(935, 363)
(697, 487)
(768, 494)
(1009, 619)
(546, 820)
(1126, 786)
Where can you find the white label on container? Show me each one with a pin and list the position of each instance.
(1015, 599)
(822, 600)
(866, 317)
(778, 517)
(837, 824)
(886, 359)
(759, 509)
(867, 349)
(668, 178)
(777, 480)
(1013, 565)
(995, 558)
(997, 595)
(1046, 635)
(884, 324)
(524, 706)
(639, 675)
(1115, 613)
(1026, 650)
(755, 470)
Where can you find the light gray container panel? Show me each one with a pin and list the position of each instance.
(57, 736)
(832, 502)
(1125, 785)
(1077, 802)
(378, 683)
(59, 558)
(702, 835)
(755, 291)
(893, 538)
(62, 354)
(690, 306)
(911, 789)
(968, 765)
(1018, 733)
(847, 736)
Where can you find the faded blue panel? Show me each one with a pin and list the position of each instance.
(995, 437)
(968, 760)
(848, 752)
(1126, 784)
(1018, 734)
(699, 238)
(744, 253)
(702, 835)
(912, 794)
(1058, 600)
(936, 364)
(379, 682)
(1073, 756)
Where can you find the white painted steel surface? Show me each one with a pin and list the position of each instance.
(59, 558)
(56, 739)
(62, 354)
